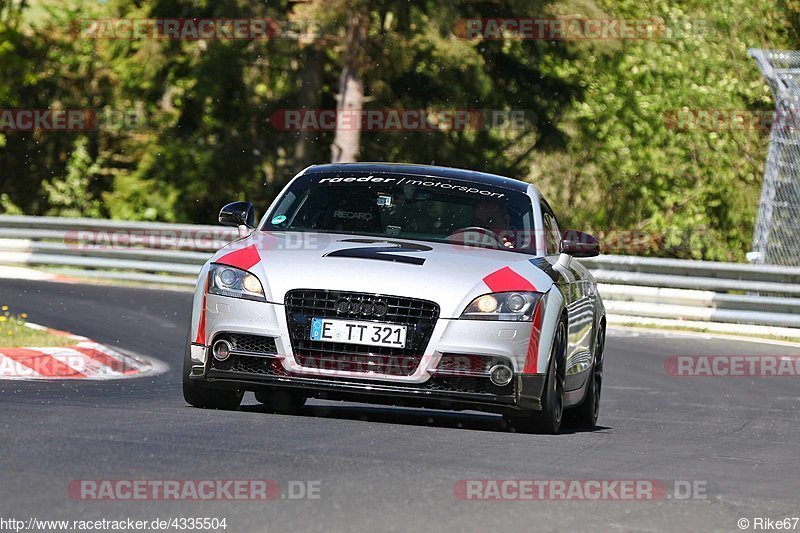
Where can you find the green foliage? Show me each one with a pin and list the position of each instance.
(630, 168)
(7, 207)
(134, 198)
(71, 195)
(191, 130)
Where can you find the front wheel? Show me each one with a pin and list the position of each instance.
(197, 395)
(585, 415)
(548, 420)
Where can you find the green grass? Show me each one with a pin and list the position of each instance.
(15, 334)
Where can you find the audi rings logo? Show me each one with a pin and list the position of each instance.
(358, 307)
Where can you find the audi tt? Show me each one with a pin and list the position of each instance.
(407, 285)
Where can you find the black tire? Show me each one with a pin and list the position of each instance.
(548, 420)
(585, 415)
(197, 395)
(283, 402)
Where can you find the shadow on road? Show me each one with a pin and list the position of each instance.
(470, 420)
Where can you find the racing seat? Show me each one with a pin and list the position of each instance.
(354, 215)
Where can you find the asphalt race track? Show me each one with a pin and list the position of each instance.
(391, 469)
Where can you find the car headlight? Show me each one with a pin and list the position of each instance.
(234, 282)
(511, 306)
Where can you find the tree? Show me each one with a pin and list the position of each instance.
(597, 135)
(347, 141)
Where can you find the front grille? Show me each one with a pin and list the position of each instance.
(304, 304)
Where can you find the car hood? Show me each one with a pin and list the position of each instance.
(451, 275)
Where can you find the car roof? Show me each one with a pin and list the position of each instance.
(421, 170)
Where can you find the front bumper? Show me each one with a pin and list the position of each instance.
(433, 394)
(425, 387)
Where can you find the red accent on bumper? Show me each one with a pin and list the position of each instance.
(506, 280)
(532, 356)
(201, 326)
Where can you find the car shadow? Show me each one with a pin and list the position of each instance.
(469, 420)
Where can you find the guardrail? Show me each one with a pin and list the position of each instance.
(634, 289)
(169, 254)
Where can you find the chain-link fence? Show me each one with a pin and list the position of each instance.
(777, 234)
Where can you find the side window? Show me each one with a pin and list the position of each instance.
(552, 233)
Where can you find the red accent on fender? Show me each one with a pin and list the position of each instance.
(244, 258)
(506, 280)
(201, 326)
(532, 357)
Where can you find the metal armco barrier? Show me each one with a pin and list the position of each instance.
(634, 289)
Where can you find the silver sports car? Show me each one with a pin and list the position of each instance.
(401, 284)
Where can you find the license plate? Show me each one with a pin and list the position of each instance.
(358, 332)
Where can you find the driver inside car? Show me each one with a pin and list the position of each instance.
(492, 216)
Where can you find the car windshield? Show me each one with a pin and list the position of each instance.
(407, 207)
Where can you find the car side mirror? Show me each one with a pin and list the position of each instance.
(240, 215)
(579, 244)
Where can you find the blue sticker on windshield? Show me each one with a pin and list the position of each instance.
(278, 219)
